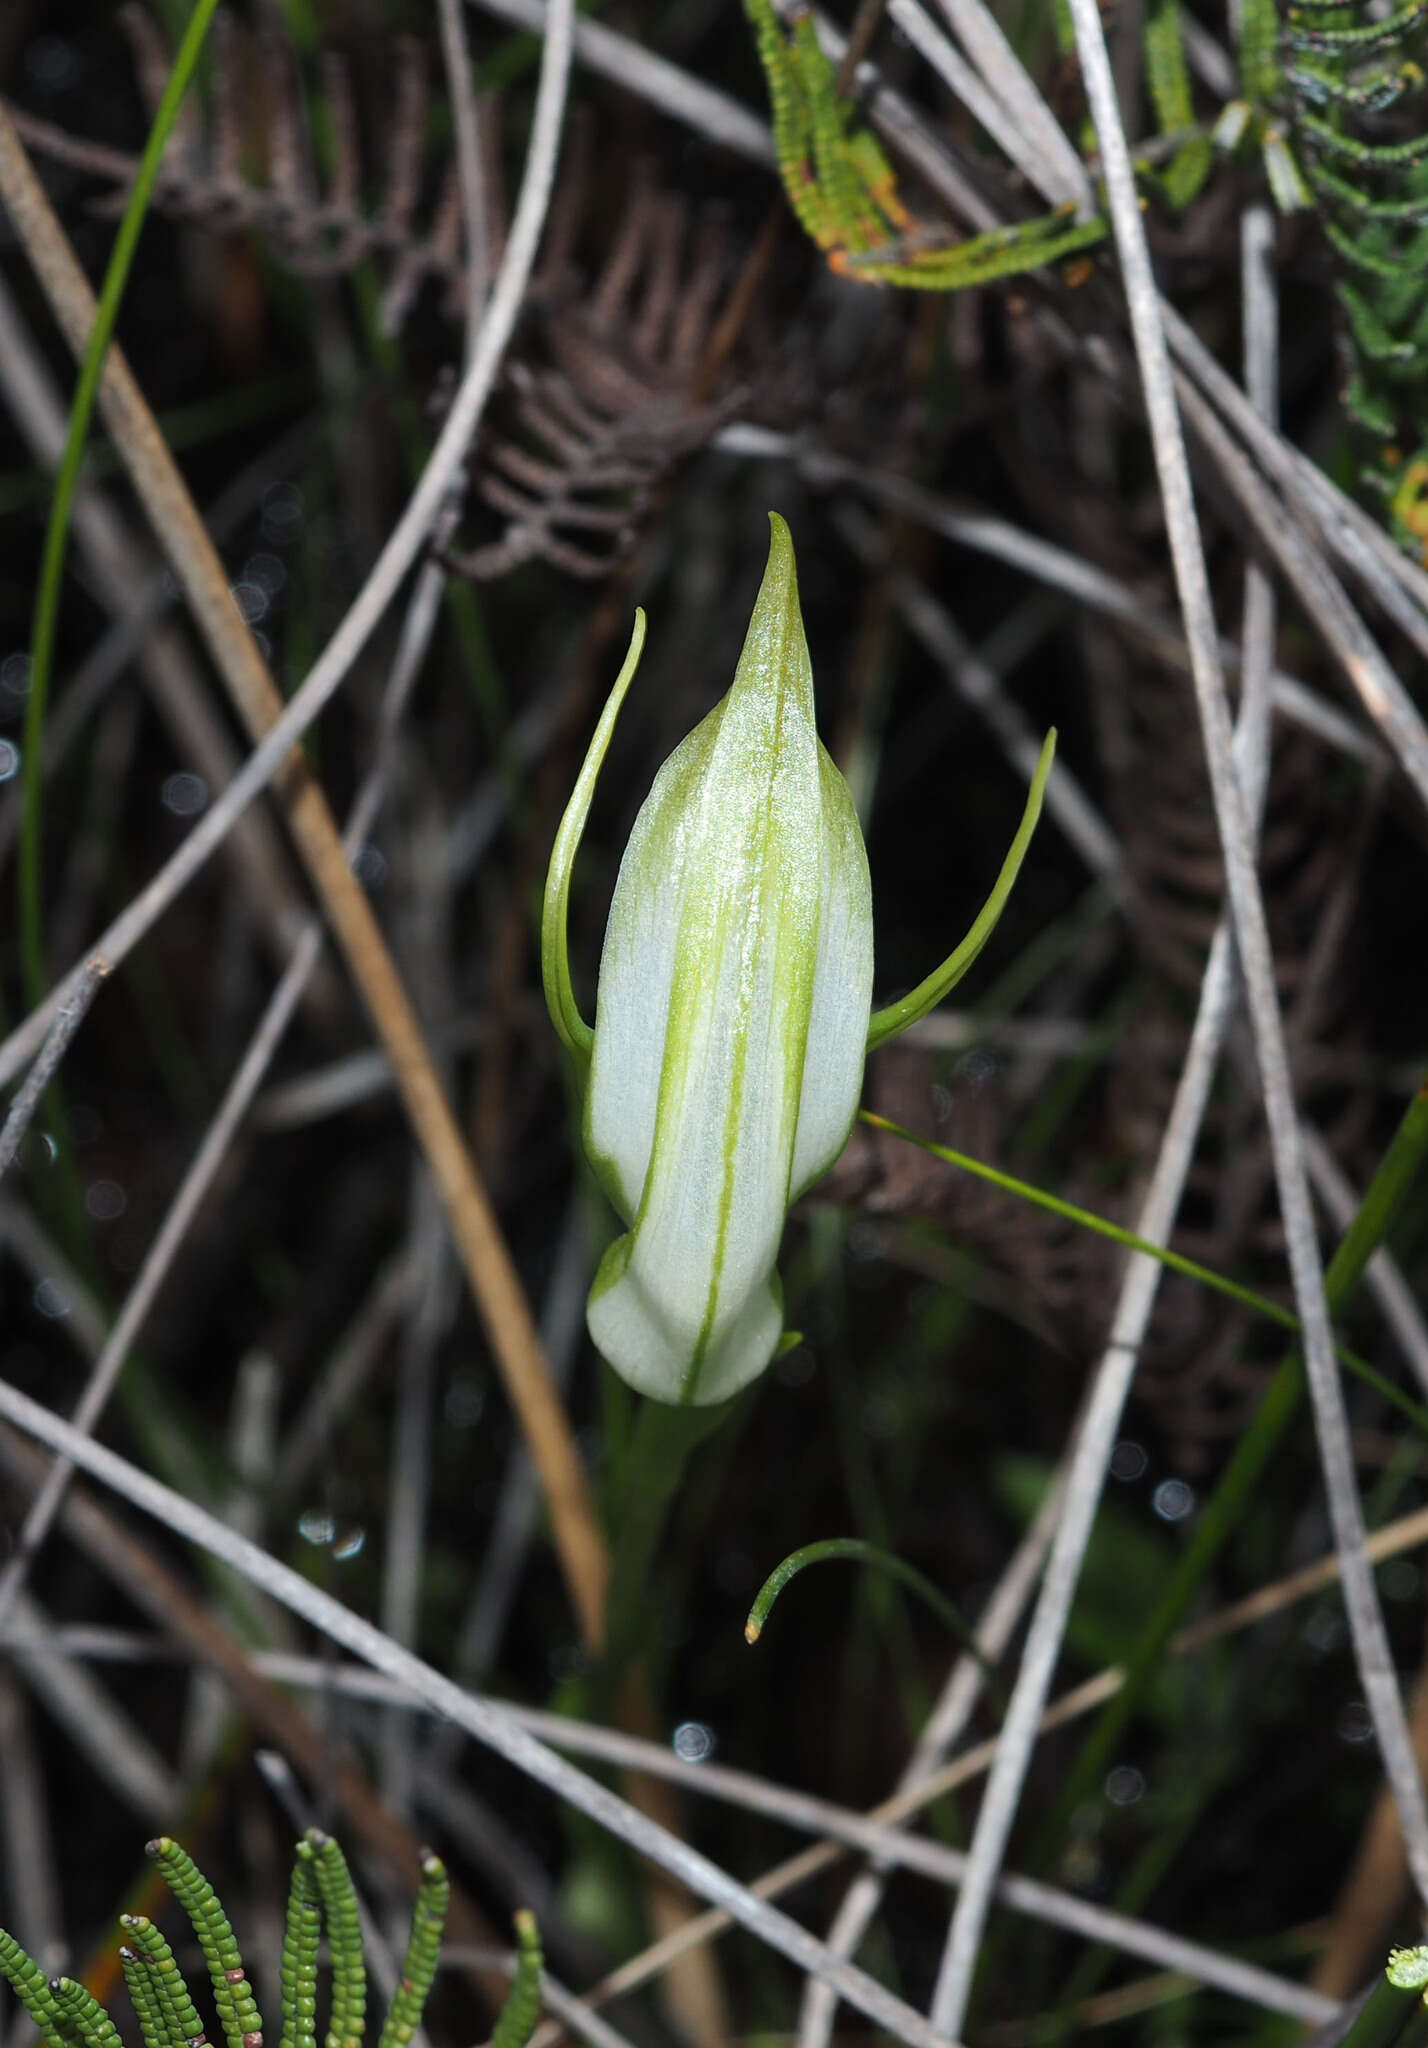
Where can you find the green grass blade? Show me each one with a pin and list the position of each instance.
(1241, 1477)
(1393, 2016)
(47, 594)
(1087, 1219)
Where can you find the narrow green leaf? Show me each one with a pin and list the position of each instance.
(47, 593)
(1247, 1297)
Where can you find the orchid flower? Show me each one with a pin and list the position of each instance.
(733, 1012)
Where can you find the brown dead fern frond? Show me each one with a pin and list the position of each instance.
(599, 403)
(256, 168)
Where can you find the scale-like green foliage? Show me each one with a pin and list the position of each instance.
(232, 1995)
(31, 1986)
(177, 2012)
(68, 2016)
(423, 1948)
(518, 2015)
(1329, 70)
(302, 1931)
(344, 1939)
(844, 192)
(91, 2023)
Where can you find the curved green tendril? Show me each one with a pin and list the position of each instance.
(1247, 1297)
(862, 1552)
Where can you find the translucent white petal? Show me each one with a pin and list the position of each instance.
(636, 972)
(842, 988)
(740, 942)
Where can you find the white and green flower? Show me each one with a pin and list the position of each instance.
(734, 1009)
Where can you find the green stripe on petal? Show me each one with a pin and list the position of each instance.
(733, 1007)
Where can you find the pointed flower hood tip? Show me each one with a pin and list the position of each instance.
(733, 1012)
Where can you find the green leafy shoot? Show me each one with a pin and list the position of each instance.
(68, 2016)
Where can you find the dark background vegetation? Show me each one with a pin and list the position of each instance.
(948, 1331)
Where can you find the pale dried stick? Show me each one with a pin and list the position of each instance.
(486, 1723)
(1057, 567)
(357, 1682)
(471, 177)
(32, 1893)
(1389, 705)
(495, 1284)
(119, 568)
(1066, 799)
(1113, 1376)
(999, 1620)
(1348, 530)
(118, 1752)
(628, 64)
(247, 1079)
(982, 103)
(1256, 964)
(68, 1019)
(1383, 1273)
(1053, 163)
